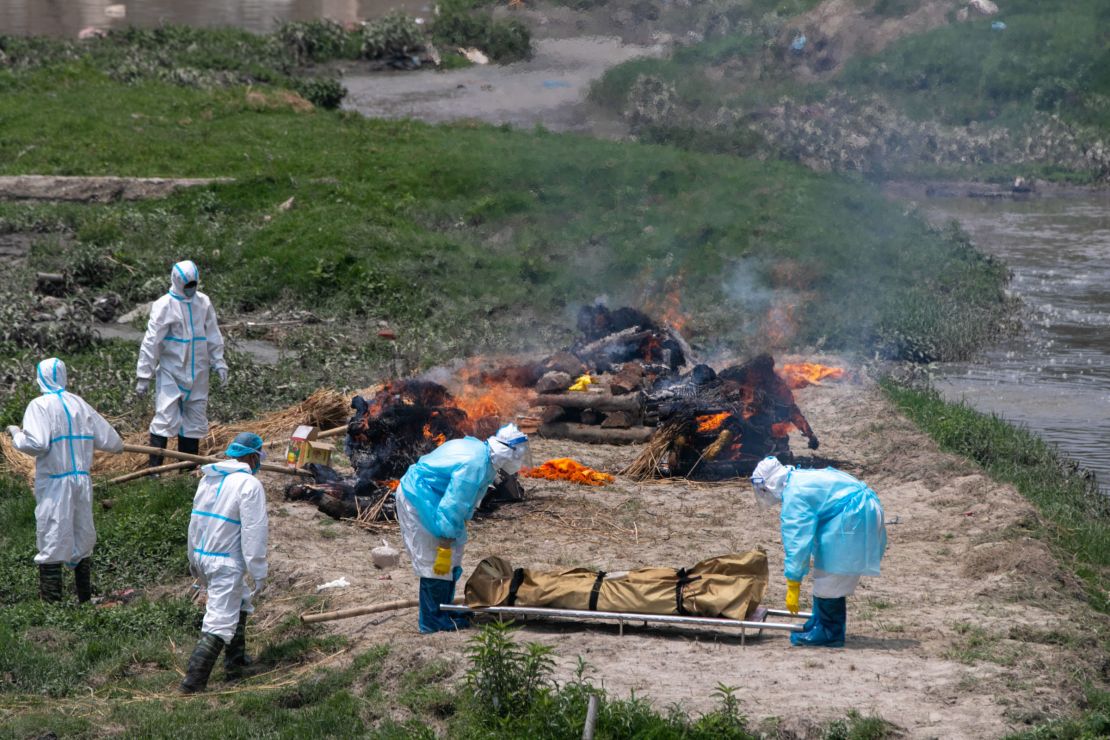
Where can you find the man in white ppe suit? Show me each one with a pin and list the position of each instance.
(181, 346)
(61, 431)
(436, 498)
(227, 540)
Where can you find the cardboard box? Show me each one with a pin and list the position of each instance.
(304, 449)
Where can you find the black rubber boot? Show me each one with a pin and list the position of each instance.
(201, 662)
(189, 445)
(82, 577)
(157, 440)
(236, 660)
(50, 581)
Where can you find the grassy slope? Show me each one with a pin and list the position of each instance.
(472, 237)
(1053, 58)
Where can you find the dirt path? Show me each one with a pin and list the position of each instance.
(932, 643)
(549, 90)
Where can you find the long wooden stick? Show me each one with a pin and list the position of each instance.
(151, 471)
(358, 611)
(144, 450)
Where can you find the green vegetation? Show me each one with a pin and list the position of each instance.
(1093, 722)
(1067, 496)
(962, 100)
(469, 239)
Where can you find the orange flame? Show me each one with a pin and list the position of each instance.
(711, 422)
(668, 309)
(392, 484)
(437, 438)
(801, 374)
(480, 397)
(564, 468)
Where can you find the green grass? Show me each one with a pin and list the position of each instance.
(1076, 512)
(1092, 723)
(473, 238)
(961, 100)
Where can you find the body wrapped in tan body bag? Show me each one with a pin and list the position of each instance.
(726, 586)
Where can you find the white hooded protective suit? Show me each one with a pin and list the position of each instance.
(182, 344)
(61, 431)
(227, 538)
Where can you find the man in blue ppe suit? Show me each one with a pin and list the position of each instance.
(836, 520)
(182, 345)
(228, 533)
(60, 430)
(436, 498)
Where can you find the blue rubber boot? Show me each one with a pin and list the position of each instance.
(830, 627)
(433, 592)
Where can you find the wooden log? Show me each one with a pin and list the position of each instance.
(618, 420)
(598, 401)
(595, 434)
(174, 454)
(553, 382)
(589, 416)
(358, 611)
(151, 471)
(631, 335)
(552, 413)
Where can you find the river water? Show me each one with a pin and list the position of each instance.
(68, 17)
(1055, 377)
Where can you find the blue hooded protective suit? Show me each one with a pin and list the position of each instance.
(60, 430)
(835, 519)
(439, 494)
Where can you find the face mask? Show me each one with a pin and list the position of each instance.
(190, 292)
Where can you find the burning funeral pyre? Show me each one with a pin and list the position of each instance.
(719, 425)
(387, 434)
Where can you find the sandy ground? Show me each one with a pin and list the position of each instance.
(952, 640)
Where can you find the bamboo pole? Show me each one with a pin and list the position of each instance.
(151, 471)
(358, 611)
(145, 450)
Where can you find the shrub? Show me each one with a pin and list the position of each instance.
(392, 35)
(506, 677)
(459, 26)
(316, 41)
(323, 92)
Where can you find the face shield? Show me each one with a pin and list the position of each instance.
(190, 289)
(509, 450)
(769, 481)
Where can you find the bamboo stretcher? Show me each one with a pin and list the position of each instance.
(757, 623)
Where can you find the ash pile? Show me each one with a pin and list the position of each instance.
(715, 425)
(387, 434)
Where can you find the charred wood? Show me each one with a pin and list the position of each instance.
(597, 401)
(595, 434)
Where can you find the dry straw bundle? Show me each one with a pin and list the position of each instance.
(324, 409)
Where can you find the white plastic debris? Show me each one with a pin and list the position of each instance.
(983, 7)
(385, 556)
(474, 56)
(340, 582)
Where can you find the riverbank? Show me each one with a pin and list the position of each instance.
(888, 89)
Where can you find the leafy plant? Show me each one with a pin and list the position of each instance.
(504, 676)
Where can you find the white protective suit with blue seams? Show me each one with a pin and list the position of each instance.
(228, 533)
(60, 430)
(181, 346)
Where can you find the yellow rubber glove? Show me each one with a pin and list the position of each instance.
(442, 565)
(793, 591)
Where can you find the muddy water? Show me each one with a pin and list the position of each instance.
(1055, 378)
(68, 17)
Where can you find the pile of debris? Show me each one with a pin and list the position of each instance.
(592, 391)
(387, 434)
(720, 425)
